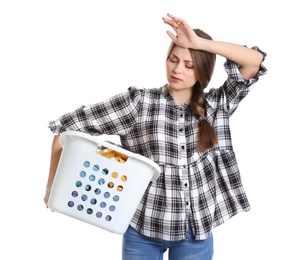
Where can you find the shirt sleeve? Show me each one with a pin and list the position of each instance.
(235, 88)
(114, 116)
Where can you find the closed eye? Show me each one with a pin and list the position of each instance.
(173, 60)
(190, 67)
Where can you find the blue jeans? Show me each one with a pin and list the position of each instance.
(139, 247)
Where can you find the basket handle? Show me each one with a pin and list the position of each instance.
(112, 154)
(111, 146)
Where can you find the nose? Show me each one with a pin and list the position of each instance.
(177, 68)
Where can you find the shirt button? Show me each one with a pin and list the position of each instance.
(187, 203)
(184, 166)
(186, 184)
(183, 147)
(181, 115)
(181, 130)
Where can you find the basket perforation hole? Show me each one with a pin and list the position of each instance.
(106, 195)
(115, 198)
(95, 167)
(87, 187)
(102, 204)
(83, 197)
(123, 178)
(97, 191)
(93, 201)
(114, 175)
(101, 181)
(80, 207)
(105, 171)
(89, 211)
(110, 185)
(82, 174)
(91, 178)
(74, 194)
(112, 208)
(78, 184)
(86, 164)
(98, 214)
(119, 188)
(108, 218)
(70, 204)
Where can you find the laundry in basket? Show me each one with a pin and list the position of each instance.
(99, 182)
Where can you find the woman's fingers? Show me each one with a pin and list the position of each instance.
(177, 21)
(172, 36)
(174, 22)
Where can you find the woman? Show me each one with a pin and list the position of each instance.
(186, 131)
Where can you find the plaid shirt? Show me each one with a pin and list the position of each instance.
(200, 188)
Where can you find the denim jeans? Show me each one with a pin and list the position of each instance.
(139, 247)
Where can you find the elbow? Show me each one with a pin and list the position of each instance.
(258, 60)
(250, 71)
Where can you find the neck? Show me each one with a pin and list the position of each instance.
(181, 96)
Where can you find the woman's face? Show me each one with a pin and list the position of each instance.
(181, 73)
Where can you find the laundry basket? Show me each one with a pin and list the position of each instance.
(93, 186)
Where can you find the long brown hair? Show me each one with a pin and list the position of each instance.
(204, 63)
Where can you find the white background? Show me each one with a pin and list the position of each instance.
(58, 55)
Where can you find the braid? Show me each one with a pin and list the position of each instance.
(198, 101)
(207, 137)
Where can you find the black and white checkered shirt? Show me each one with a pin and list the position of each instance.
(201, 188)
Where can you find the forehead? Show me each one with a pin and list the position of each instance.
(181, 53)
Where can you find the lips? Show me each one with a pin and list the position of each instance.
(175, 79)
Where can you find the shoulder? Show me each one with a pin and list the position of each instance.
(146, 92)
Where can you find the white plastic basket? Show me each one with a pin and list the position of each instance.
(99, 190)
